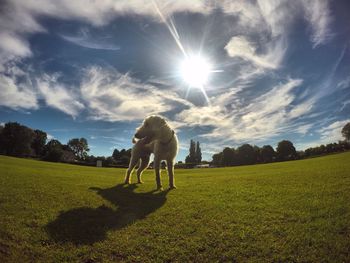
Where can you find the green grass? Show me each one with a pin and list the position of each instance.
(283, 212)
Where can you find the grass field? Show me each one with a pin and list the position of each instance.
(283, 212)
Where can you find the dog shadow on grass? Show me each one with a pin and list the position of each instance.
(87, 225)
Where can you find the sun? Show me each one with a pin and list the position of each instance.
(195, 71)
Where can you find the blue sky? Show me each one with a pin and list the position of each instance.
(96, 69)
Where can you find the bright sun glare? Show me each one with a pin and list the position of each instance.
(195, 71)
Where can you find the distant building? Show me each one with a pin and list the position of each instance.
(99, 163)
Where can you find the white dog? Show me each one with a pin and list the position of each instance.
(158, 138)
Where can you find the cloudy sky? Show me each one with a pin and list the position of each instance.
(95, 69)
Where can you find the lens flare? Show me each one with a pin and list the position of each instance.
(195, 71)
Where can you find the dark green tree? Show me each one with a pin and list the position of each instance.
(53, 151)
(257, 154)
(2, 150)
(228, 156)
(217, 159)
(286, 151)
(198, 153)
(122, 157)
(79, 147)
(246, 154)
(116, 154)
(191, 158)
(346, 132)
(39, 141)
(267, 154)
(16, 139)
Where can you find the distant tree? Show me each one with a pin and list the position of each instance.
(2, 150)
(53, 151)
(346, 132)
(109, 161)
(122, 157)
(246, 154)
(116, 154)
(228, 156)
(329, 148)
(267, 154)
(257, 154)
(16, 139)
(286, 151)
(344, 145)
(217, 159)
(322, 149)
(191, 158)
(79, 147)
(39, 141)
(300, 155)
(198, 153)
(90, 159)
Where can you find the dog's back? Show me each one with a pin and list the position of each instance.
(142, 148)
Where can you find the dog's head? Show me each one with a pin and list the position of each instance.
(150, 127)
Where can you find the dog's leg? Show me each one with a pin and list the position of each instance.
(170, 166)
(142, 167)
(132, 164)
(157, 171)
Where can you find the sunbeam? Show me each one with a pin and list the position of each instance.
(194, 70)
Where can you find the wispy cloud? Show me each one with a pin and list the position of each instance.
(239, 46)
(12, 43)
(59, 97)
(112, 96)
(88, 43)
(329, 132)
(16, 96)
(332, 132)
(84, 39)
(318, 14)
(264, 117)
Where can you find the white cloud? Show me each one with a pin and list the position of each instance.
(304, 129)
(88, 43)
(344, 105)
(13, 44)
(15, 24)
(277, 15)
(344, 83)
(16, 96)
(239, 46)
(318, 14)
(329, 133)
(332, 132)
(83, 38)
(300, 109)
(262, 118)
(101, 12)
(19, 18)
(59, 97)
(248, 13)
(112, 96)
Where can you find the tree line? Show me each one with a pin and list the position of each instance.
(21, 141)
(247, 154)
